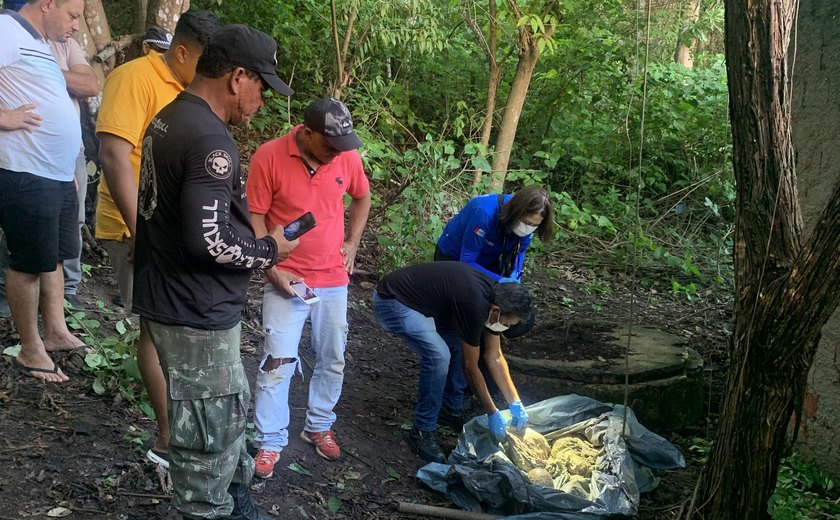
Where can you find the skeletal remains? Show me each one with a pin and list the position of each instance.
(566, 465)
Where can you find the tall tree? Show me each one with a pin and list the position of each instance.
(489, 44)
(533, 34)
(785, 284)
(682, 54)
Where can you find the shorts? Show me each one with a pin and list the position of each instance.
(40, 220)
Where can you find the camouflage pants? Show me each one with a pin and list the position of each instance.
(208, 404)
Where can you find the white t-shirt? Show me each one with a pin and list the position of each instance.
(29, 74)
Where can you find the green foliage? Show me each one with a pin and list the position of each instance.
(136, 438)
(393, 476)
(113, 361)
(422, 179)
(300, 470)
(86, 268)
(803, 491)
(700, 449)
(333, 504)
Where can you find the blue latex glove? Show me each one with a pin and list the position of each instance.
(509, 280)
(518, 415)
(497, 425)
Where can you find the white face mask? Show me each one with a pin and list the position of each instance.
(495, 327)
(522, 229)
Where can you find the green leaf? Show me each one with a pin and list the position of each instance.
(333, 504)
(120, 326)
(480, 163)
(90, 324)
(98, 387)
(297, 468)
(130, 368)
(341, 486)
(12, 351)
(386, 480)
(94, 360)
(147, 409)
(393, 473)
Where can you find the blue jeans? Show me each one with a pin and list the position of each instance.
(442, 380)
(283, 320)
(73, 266)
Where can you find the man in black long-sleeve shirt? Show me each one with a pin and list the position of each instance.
(195, 251)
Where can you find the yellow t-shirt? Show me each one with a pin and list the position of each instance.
(133, 94)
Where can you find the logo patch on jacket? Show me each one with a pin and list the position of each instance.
(480, 232)
(219, 164)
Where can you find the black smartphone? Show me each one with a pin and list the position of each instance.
(299, 226)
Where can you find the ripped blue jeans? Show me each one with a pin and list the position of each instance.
(283, 321)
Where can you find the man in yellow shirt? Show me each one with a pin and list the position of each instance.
(133, 94)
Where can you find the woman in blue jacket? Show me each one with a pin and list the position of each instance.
(492, 232)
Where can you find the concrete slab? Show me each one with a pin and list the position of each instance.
(664, 378)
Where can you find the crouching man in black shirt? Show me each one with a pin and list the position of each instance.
(444, 311)
(195, 250)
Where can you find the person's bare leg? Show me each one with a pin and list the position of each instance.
(22, 292)
(152, 374)
(56, 334)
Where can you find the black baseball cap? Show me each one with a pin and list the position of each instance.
(251, 49)
(331, 118)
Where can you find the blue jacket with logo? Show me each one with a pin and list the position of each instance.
(473, 236)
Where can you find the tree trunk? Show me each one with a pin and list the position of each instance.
(493, 81)
(339, 59)
(140, 15)
(529, 54)
(785, 291)
(94, 35)
(490, 47)
(682, 54)
(97, 23)
(165, 13)
(494, 76)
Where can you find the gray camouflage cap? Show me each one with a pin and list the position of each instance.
(331, 118)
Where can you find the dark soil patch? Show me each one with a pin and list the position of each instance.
(64, 446)
(567, 341)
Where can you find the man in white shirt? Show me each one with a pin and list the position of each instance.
(41, 141)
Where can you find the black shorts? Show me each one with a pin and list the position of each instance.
(40, 221)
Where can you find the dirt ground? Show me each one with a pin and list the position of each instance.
(63, 446)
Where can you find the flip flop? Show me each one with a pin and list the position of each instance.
(28, 370)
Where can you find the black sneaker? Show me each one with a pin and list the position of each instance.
(243, 508)
(426, 445)
(452, 418)
(74, 301)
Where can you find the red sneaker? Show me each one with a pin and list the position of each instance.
(265, 461)
(324, 443)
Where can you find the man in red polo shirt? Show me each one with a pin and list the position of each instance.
(307, 170)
